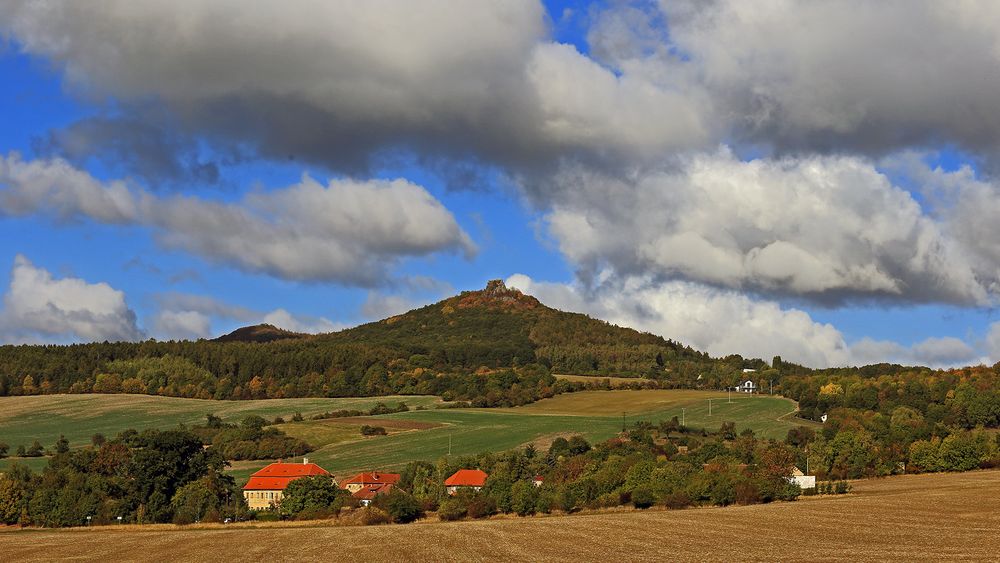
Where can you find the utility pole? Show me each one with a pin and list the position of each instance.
(623, 421)
(682, 416)
(710, 407)
(770, 387)
(730, 389)
(449, 443)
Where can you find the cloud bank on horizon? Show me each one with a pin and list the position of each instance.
(717, 172)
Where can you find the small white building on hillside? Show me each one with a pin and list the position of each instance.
(747, 386)
(802, 480)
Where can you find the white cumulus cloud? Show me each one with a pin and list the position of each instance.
(346, 231)
(41, 308)
(824, 228)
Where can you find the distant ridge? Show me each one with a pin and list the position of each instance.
(259, 333)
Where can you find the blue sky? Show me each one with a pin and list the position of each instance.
(565, 142)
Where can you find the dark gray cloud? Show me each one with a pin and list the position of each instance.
(345, 84)
(132, 146)
(850, 75)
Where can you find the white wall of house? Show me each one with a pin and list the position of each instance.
(804, 481)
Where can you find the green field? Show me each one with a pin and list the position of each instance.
(419, 434)
(597, 415)
(78, 417)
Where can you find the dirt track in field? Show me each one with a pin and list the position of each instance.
(921, 517)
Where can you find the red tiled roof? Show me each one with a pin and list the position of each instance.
(467, 478)
(276, 476)
(268, 483)
(372, 478)
(370, 491)
(279, 469)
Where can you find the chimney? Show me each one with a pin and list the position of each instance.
(305, 461)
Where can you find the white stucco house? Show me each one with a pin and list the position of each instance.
(802, 480)
(747, 386)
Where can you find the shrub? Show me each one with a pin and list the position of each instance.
(481, 506)
(608, 500)
(843, 487)
(267, 515)
(545, 502)
(401, 507)
(452, 509)
(312, 493)
(524, 496)
(36, 450)
(367, 430)
(317, 513)
(643, 497)
(677, 500)
(747, 493)
(372, 516)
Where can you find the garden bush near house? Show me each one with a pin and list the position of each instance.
(315, 493)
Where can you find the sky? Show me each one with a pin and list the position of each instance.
(785, 177)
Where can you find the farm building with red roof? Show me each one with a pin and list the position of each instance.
(366, 486)
(465, 479)
(266, 487)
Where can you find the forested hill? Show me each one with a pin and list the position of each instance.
(432, 350)
(259, 333)
(499, 326)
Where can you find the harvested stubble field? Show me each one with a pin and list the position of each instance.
(914, 517)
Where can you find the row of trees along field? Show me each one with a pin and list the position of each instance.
(883, 420)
